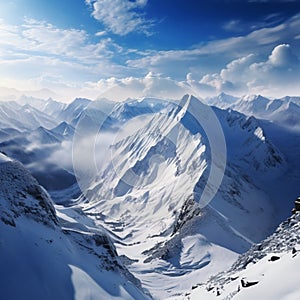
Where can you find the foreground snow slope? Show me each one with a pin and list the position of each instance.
(269, 270)
(50, 256)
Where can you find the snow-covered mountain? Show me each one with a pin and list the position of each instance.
(284, 111)
(268, 270)
(52, 254)
(222, 100)
(73, 110)
(133, 108)
(179, 189)
(64, 130)
(148, 195)
(13, 115)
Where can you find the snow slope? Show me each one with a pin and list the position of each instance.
(268, 270)
(50, 256)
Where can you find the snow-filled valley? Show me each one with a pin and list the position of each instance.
(149, 198)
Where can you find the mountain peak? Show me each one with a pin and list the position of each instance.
(64, 129)
(80, 101)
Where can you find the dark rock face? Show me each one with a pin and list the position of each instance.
(188, 211)
(274, 258)
(246, 283)
(297, 205)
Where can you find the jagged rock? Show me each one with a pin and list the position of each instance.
(22, 195)
(246, 283)
(274, 258)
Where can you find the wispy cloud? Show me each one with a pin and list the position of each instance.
(240, 26)
(101, 33)
(38, 54)
(234, 26)
(209, 57)
(121, 16)
(41, 38)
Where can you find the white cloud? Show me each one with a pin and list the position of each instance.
(277, 75)
(133, 87)
(282, 56)
(41, 38)
(234, 26)
(39, 55)
(211, 56)
(121, 16)
(101, 33)
(73, 44)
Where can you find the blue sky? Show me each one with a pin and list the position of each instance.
(134, 48)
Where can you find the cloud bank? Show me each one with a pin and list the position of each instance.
(277, 75)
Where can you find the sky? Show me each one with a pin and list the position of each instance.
(135, 48)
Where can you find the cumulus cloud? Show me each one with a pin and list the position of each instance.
(277, 75)
(134, 87)
(121, 16)
(282, 56)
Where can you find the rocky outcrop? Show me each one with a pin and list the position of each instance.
(21, 195)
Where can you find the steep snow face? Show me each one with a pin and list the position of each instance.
(252, 103)
(43, 136)
(49, 107)
(257, 272)
(65, 130)
(153, 170)
(52, 255)
(150, 174)
(248, 145)
(148, 194)
(73, 110)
